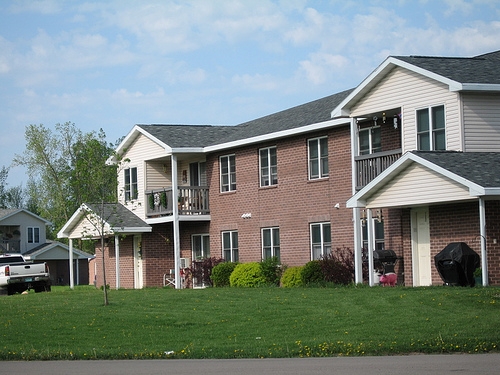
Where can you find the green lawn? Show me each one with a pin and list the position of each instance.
(248, 323)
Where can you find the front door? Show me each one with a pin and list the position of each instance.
(138, 278)
(421, 246)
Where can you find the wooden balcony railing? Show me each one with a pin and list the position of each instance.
(190, 200)
(370, 166)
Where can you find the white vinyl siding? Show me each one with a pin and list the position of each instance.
(481, 115)
(411, 91)
(418, 185)
(140, 150)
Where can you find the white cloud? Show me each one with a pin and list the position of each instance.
(258, 82)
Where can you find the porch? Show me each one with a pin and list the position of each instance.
(190, 200)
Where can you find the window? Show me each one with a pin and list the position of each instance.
(268, 166)
(131, 191)
(227, 173)
(230, 246)
(318, 158)
(201, 246)
(369, 141)
(379, 235)
(33, 235)
(431, 129)
(321, 240)
(270, 243)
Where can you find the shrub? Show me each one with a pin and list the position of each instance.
(312, 273)
(247, 275)
(338, 267)
(292, 277)
(271, 269)
(202, 270)
(221, 273)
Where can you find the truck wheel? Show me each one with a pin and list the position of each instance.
(3, 292)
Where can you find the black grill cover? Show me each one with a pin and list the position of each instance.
(456, 264)
(388, 256)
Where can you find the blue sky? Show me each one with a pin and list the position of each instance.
(113, 64)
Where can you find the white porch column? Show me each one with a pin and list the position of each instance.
(117, 261)
(369, 224)
(77, 271)
(356, 216)
(482, 231)
(358, 247)
(71, 277)
(177, 241)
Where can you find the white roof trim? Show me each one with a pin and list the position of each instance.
(343, 109)
(280, 134)
(360, 198)
(131, 136)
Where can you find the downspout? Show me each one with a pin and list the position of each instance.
(71, 276)
(482, 231)
(117, 261)
(175, 212)
(356, 217)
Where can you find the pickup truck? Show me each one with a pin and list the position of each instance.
(17, 275)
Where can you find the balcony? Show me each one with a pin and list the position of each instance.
(190, 200)
(10, 246)
(370, 166)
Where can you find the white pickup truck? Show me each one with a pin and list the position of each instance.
(17, 275)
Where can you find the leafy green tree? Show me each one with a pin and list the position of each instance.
(65, 167)
(12, 197)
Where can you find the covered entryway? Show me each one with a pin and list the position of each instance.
(449, 196)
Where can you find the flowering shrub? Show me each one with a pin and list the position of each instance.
(221, 273)
(247, 275)
(292, 277)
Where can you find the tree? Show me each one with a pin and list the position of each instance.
(62, 168)
(12, 197)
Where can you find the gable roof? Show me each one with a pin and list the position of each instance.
(476, 171)
(117, 217)
(479, 73)
(8, 212)
(302, 118)
(53, 250)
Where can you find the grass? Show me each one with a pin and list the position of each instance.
(248, 323)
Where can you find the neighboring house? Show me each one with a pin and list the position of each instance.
(278, 185)
(23, 232)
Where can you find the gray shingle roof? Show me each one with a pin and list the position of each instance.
(484, 69)
(482, 168)
(206, 135)
(117, 215)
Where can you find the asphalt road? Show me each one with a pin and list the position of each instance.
(400, 365)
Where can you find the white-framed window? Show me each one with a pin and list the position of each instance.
(130, 178)
(33, 234)
(379, 235)
(431, 135)
(201, 246)
(321, 240)
(318, 157)
(230, 246)
(227, 173)
(268, 163)
(271, 242)
(369, 140)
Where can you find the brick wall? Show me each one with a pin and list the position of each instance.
(291, 205)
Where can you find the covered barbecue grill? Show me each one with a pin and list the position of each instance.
(456, 264)
(387, 258)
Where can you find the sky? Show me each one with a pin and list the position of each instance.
(113, 64)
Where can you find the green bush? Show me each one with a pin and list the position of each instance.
(312, 273)
(271, 269)
(292, 277)
(221, 273)
(247, 275)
